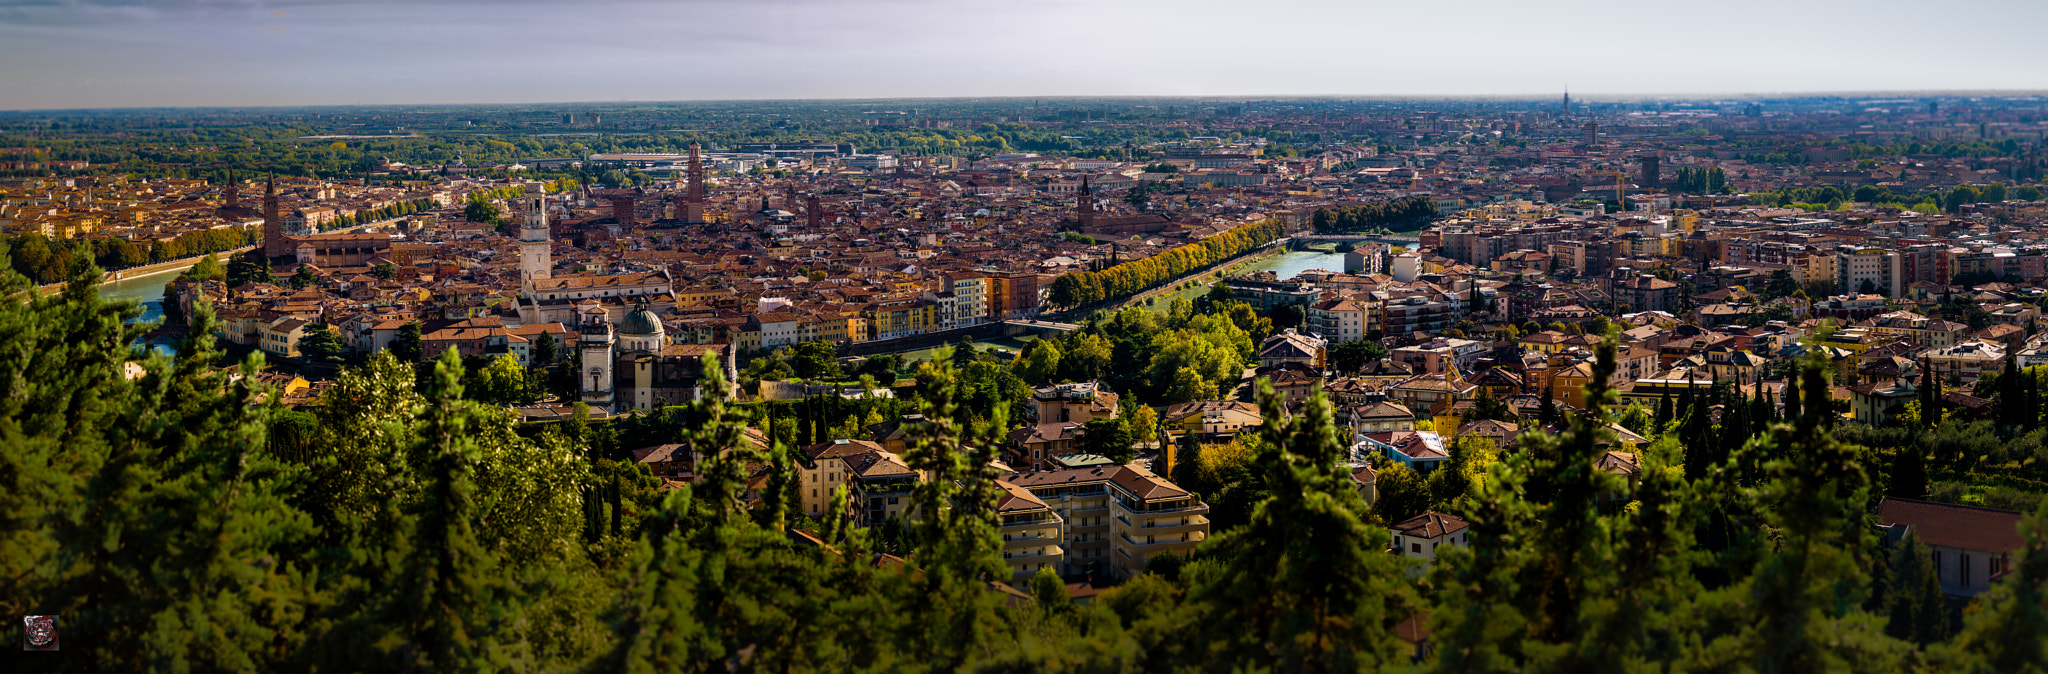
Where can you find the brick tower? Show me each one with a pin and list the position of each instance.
(1086, 201)
(274, 243)
(693, 201)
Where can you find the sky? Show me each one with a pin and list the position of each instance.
(147, 53)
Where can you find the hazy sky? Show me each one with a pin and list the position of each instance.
(121, 53)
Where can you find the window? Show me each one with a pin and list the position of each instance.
(1415, 547)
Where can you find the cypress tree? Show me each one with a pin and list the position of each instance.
(1792, 399)
(1761, 412)
(1930, 396)
(1908, 472)
(615, 502)
(1916, 609)
(1664, 409)
(2011, 401)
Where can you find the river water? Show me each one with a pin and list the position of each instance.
(147, 289)
(1287, 265)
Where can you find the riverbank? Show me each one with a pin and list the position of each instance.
(132, 274)
(1216, 270)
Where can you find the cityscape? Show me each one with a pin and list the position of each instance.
(943, 380)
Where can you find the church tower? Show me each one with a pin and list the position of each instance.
(274, 243)
(693, 202)
(1086, 219)
(535, 246)
(595, 381)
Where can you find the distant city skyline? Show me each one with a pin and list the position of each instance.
(114, 53)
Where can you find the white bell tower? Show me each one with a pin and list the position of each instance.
(535, 248)
(595, 379)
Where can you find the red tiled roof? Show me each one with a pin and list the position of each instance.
(1430, 525)
(1955, 526)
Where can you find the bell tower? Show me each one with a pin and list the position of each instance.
(595, 379)
(693, 201)
(535, 245)
(274, 243)
(1086, 201)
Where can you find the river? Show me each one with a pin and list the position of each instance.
(1290, 263)
(1286, 265)
(145, 288)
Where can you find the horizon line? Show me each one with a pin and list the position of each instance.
(1594, 97)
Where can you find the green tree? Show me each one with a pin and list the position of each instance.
(1402, 493)
(1354, 356)
(502, 382)
(144, 510)
(1049, 590)
(1108, 437)
(322, 344)
(305, 277)
(207, 269)
(408, 346)
(545, 350)
(1917, 609)
(1305, 584)
(1039, 363)
(248, 268)
(1086, 357)
(481, 209)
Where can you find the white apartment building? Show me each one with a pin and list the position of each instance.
(1879, 266)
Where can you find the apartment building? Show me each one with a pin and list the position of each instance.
(1079, 402)
(1016, 295)
(901, 318)
(877, 480)
(1111, 519)
(1438, 355)
(1420, 312)
(1915, 328)
(1879, 267)
(1340, 320)
(1264, 292)
(1640, 292)
(1032, 534)
(962, 300)
(1966, 361)
(281, 337)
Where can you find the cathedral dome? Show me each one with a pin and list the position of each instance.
(640, 322)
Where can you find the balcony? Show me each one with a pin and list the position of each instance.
(1045, 522)
(1164, 526)
(1163, 543)
(1031, 542)
(1053, 555)
(1080, 513)
(1089, 532)
(1140, 511)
